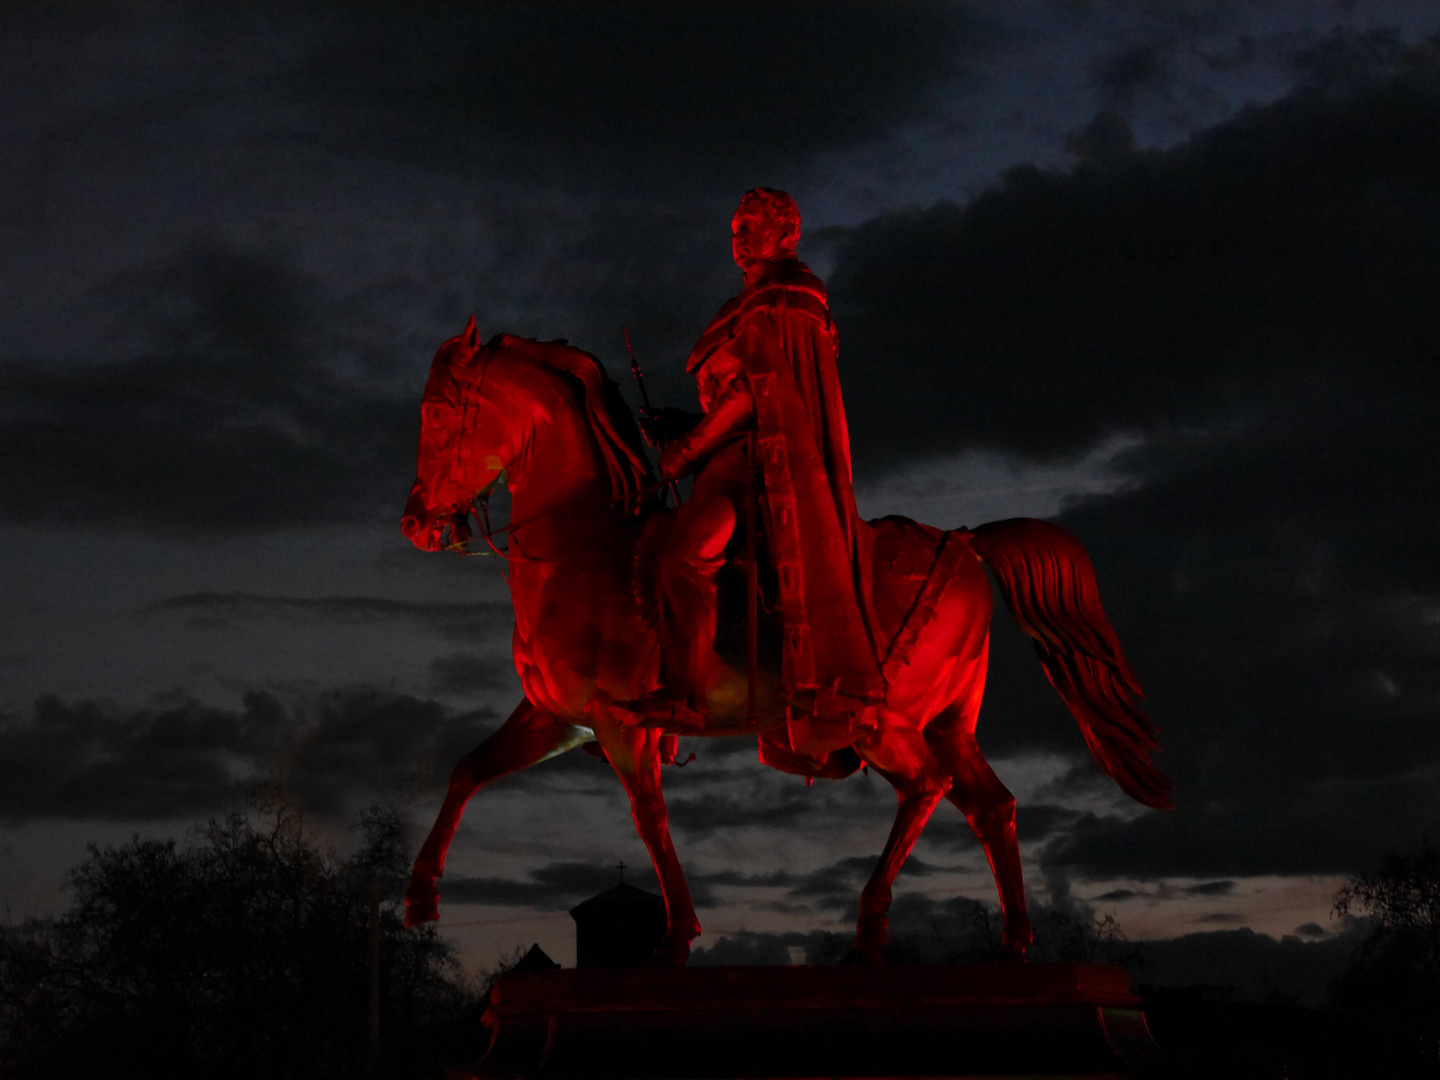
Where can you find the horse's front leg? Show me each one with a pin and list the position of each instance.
(634, 753)
(528, 737)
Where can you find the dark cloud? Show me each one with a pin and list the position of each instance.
(224, 419)
(1166, 891)
(834, 887)
(949, 831)
(1035, 822)
(1253, 304)
(1243, 264)
(737, 879)
(1286, 572)
(1123, 74)
(1104, 139)
(1117, 894)
(1302, 828)
(699, 817)
(1256, 966)
(745, 948)
(768, 947)
(1310, 930)
(927, 931)
(465, 673)
(1211, 888)
(451, 620)
(178, 758)
(554, 886)
(1345, 59)
(656, 93)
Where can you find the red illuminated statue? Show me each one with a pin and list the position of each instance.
(877, 648)
(766, 364)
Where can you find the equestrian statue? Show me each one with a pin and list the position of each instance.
(763, 607)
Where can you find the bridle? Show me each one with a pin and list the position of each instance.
(480, 506)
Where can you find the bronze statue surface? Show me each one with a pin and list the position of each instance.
(877, 651)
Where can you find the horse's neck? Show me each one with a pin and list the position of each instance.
(560, 489)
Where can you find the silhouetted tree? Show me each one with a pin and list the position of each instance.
(242, 955)
(1391, 991)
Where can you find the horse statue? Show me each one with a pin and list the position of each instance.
(545, 419)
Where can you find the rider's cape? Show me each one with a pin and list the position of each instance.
(781, 332)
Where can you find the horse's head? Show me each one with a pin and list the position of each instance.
(459, 456)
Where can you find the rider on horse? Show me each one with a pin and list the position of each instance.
(766, 365)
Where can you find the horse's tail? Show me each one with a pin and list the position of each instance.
(1049, 587)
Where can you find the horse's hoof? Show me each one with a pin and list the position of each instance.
(422, 903)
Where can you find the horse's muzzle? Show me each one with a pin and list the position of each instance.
(420, 527)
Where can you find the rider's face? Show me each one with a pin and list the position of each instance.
(753, 239)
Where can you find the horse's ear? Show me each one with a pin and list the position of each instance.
(471, 335)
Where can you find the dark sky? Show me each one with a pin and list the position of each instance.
(1165, 273)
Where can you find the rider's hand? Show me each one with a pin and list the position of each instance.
(675, 462)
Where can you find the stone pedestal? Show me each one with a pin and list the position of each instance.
(960, 1020)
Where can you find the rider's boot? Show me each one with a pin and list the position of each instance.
(687, 613)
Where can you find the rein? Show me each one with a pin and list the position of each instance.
(481, 509)
(480, 506)
(488, 532)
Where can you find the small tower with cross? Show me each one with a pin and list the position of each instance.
(618, 928)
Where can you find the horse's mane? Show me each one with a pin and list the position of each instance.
(610, 419)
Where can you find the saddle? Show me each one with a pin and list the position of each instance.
(914, 562)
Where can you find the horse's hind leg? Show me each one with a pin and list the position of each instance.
(901, 755)
(990, 808)
(528, 737)
(634, 753)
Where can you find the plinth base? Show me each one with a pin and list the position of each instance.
(960, 1020)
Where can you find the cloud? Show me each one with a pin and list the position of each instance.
(180, 758)
(1058, 308)
(748, 947)
(465, 621)
(1285, 571)
(1346, 59)
(1104, 139)
(835, 886)
(554, 886)
(1121, 75)
(1211, 888)
(1117, 894)
(700, 817)
(466, 673)
(626, 88)
(223, 418)
(1251, 305)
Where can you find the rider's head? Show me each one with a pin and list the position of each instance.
(766, 225)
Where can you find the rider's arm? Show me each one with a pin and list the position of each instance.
(731, 409)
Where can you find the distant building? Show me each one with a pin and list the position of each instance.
(537, 959)
(618, 928)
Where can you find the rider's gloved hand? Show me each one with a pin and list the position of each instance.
(675, 461)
